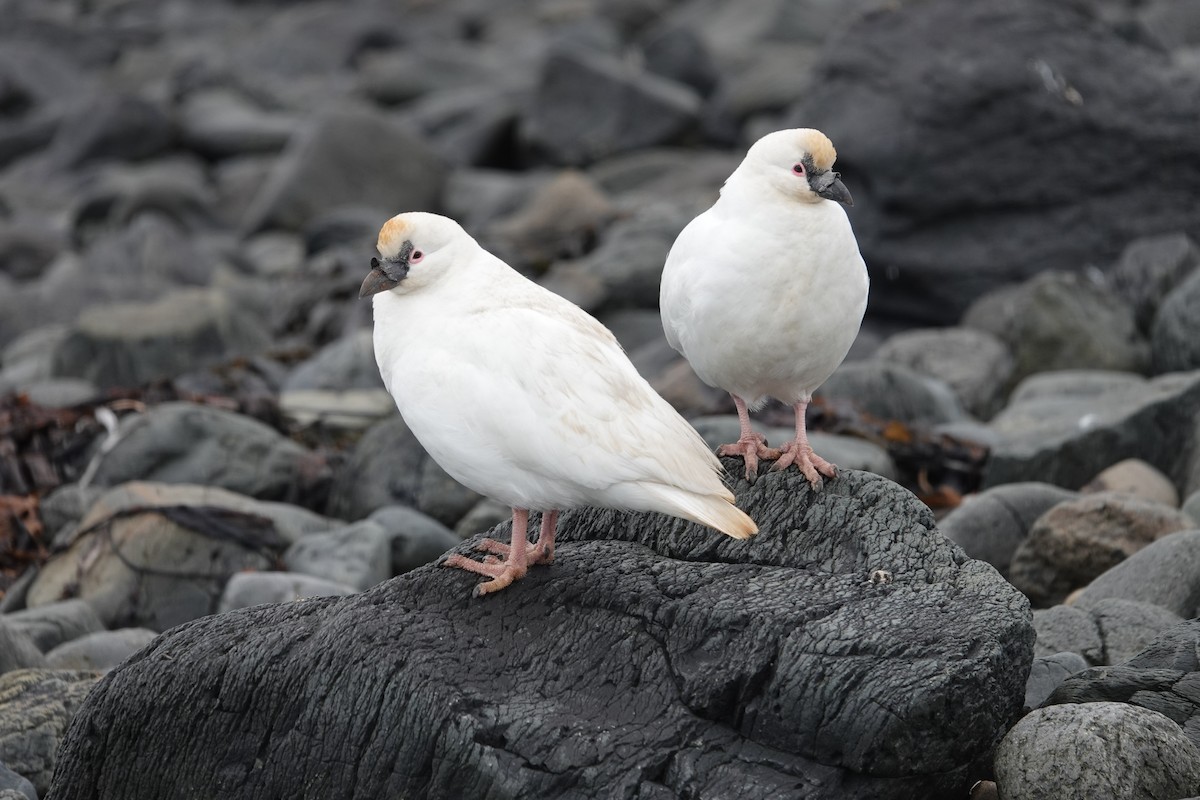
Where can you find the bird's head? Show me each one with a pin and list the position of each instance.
(415, 250)
(797, 163)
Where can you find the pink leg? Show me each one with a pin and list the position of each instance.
(800, 452)
(750, 446)
(540, 553)
(513, 568)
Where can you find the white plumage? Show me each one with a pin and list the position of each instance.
(764, 292)
(524, 397)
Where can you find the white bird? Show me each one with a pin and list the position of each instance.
(522, 396)
(764, 292)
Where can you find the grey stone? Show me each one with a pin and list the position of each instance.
(893, 392)
(674, 618)
(1056, 321)
(1129, 626)
(130, 344)
(352, 409)
(275, 254)
(27, 247)
(1067, 629)
(50, 625)
(100, 651)
(589, 105)
(17, 648)
(61, 393)
(677, 52)
(255, 588)
(975, 364)
(1163, 678)
(477, 197)
(347, 157)
(14, 786)
(219, 123)
(387, 467)
(992, 524)
(36, 706)
(1176, 334)
(1149, 268)
(562, 219)
(634, 327)
(1067, 439)
(30, 356)
(156, 567)
(472, 126)
(1077, 540)
(416, 539)
(645, 177)
(1173, 23)
(1096, 750)
(1165, 573)
(358, 555)
(66, 505)
(112, 126)
(187, 443)
(1135, 477)
(964, 195)
(348, 363)
(486, 515)
(1047, 673)
(1191, 506)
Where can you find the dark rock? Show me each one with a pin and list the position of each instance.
(347, 157)
(1065, 438)
(188, 443)
(1096, 750)
(774, 76)
(486, 515)
(142, 219)
(357, 555)
(474, 126)
(965, 193)
(50, 625)
(634, 327)
(112, 127)
(61, 393)
(478, 197)
(27, 248)
(975, 364)
(1047, 673)
(275, 254)
(1077, 540)
(1135, 477)
(17, 649)
(14, 786)
(1163, 678)
(589, 105)
(100, 651)
(645, 177)
(130, 344)
(1066, 629)
(730, 659)
(1057, 321)
(255, 588)
(1172, 23)
(1149, 268)
(678, 53)
(387, 467)
(1176, 335)
(1165, 573)
(1191, 506)
(992, 524)
(36, 705)
(416, 539)
(893, 392)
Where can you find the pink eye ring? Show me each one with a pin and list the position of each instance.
(798, 169)
(416, 256)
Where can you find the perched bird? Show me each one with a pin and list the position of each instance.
(524, 397)
(764, 292)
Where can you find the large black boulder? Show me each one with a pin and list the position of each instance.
(985, 142)
(653, 659)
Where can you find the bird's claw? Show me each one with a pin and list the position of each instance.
(809, 463)
(751, 448)
(501, 574)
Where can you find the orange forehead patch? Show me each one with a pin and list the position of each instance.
(819, 147)
(392, 235)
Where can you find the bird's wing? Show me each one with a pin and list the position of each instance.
(554, 393)
(674, 294)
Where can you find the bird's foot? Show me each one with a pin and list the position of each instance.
(751, 448)
(501, 574)
(812, 465)
(535, 553)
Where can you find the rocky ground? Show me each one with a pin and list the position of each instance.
(192, 425)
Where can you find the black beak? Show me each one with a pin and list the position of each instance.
(829, 185)
(383, 276)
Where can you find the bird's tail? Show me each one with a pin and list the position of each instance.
(712, 510)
